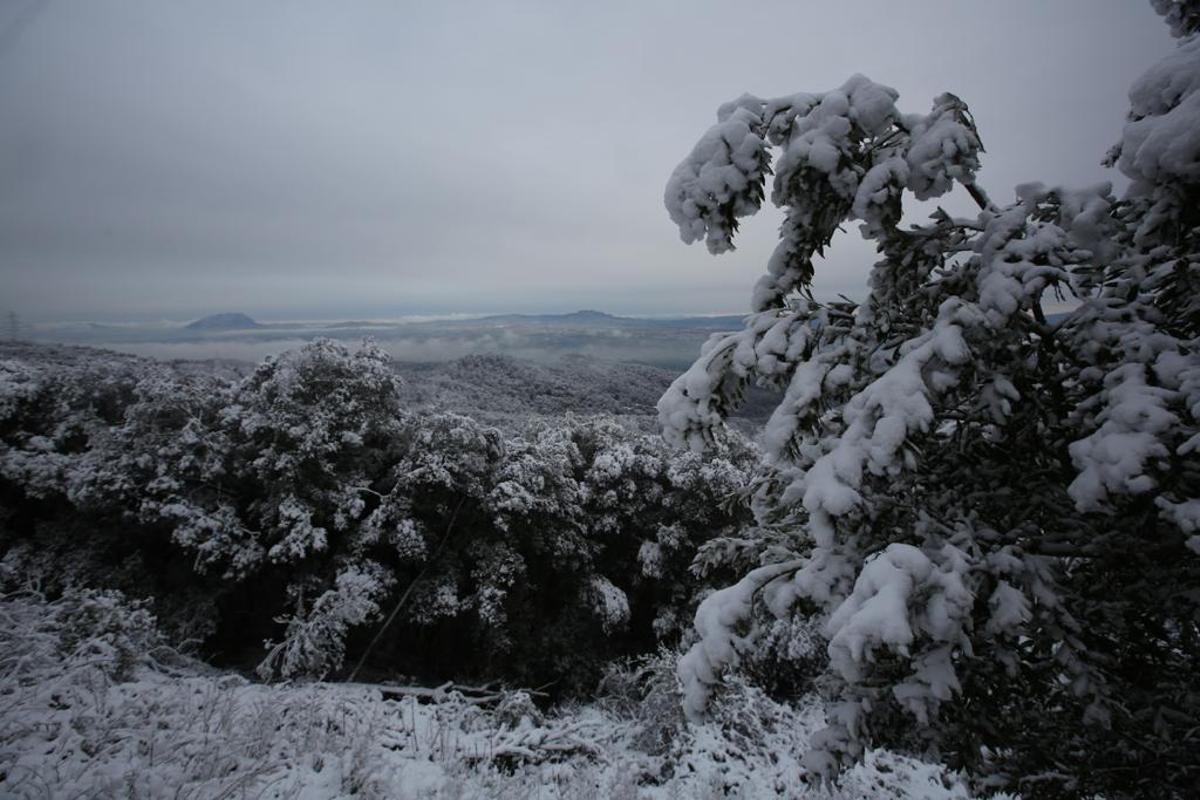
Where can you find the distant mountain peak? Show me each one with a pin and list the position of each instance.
(223, 322)
(588, 313)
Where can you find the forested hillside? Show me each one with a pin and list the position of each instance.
(319, 488)
(319, 518)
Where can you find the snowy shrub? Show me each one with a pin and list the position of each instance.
(267, 474)
(991, 510)
(608, 603)
(103, 630)
(242, 506)
(314, 644)
(646, 691)
(105, 627)
(517, 709)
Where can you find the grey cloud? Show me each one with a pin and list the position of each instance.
(307, 158)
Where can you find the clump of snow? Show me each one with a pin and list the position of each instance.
(1114, 459)
(899, 595)
(1162, 139)
(722, 178)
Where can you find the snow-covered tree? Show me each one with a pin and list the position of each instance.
(267, 475)
(309, 502)
(995, 514)
(541, 569)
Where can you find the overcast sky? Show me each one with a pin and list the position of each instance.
(293, 159)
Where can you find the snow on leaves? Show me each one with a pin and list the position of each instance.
(1114, 458)
(846, 153)
(902, 455)
(722, 179)
(309, 486)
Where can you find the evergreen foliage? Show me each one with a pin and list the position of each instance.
(304, 504)
(995, 515)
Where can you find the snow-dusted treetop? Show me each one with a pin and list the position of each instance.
(1183, 16)
(848, 153)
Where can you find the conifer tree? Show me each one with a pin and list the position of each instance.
(994, 513)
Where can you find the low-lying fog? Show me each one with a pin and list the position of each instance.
(663, 342)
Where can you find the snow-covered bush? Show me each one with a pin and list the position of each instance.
(535, 554)
(106, 627)
(274, 469)
(993, 511)
(305, 505)
(103, 630)
(314, 642)
(645, 690)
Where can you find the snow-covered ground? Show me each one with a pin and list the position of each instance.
(84, 712)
